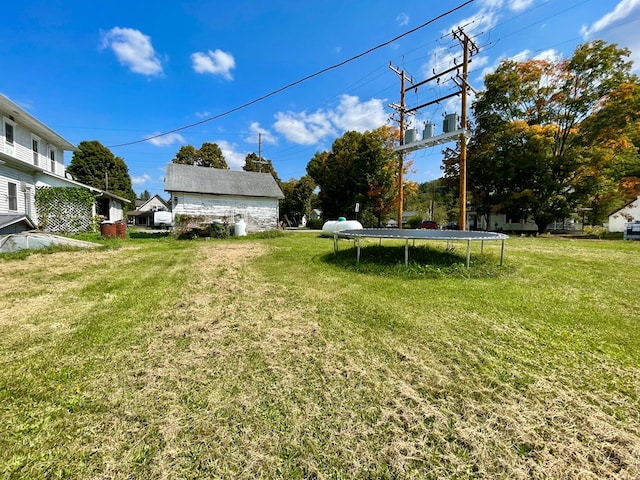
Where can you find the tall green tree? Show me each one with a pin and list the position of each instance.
(253, 163)
(95, 165)
(298, 198)
(208, 155)
(360, 168)
(144, 195)
(527, 156)
(611, 137)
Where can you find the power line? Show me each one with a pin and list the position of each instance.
(297, 82)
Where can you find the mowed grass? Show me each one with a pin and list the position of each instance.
(271, 358)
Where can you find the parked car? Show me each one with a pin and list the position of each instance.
(428, 225)
(452, 226)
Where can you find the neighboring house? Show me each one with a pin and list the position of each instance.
(226, 195)
(627, 214)
(499, 222)
(31, 157)
(316, 214)
(143, 214)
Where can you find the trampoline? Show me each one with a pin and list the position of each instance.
(406, 235)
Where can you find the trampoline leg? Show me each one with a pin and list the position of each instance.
(335, 244)
(481, 247)
(406, 253)
(468, 252)
(502, 253)
(358, 254)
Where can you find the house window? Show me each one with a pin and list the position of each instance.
(13, 196)
(52, 156)
(8, 132)
(36, 148)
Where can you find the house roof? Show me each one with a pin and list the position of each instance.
(36, 126)
(626, 206)
(142, 203)
(7, 220)
(217, 181)
(71, 181)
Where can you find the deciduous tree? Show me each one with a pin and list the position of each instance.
(360, 168)
(527, 156)
(208, 155)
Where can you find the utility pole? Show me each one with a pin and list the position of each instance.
(468, 48)
(260, 162)
(401, 111)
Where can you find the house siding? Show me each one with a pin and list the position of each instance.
(22, 148)
(25, 191)
(17, 161)
(259, 213)
(628, 213)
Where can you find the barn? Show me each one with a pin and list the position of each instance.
(227, 195)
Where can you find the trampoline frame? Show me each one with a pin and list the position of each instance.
(398, 234)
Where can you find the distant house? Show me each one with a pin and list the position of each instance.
(627, 214)
(316, 214)
(143, 214)
(226, 195)
(32, 157)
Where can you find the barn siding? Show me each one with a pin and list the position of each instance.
(259, 213)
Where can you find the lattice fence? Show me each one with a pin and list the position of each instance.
(68, 217)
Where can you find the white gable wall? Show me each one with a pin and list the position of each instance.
(25, 190)
(628, 213)
(258, 212)
(153, 204)
(22, 148)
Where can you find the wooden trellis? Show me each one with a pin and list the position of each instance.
(68, 217)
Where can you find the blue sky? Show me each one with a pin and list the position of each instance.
(120, 72)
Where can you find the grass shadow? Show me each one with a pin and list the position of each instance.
(424, 262)
(145, 235)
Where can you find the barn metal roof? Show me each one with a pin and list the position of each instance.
(217, 181)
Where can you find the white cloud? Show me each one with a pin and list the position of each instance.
(215, 62)
(402, 19)
(302, 128)
(141, 180)
(255, 130)
(619, 27)
(621, 12)
(550, 55)
(133, 49)
(520, 5)
(165, 140)
(203, 114)
(351, 114)
(234, 159)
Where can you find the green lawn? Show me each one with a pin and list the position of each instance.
(273, 358)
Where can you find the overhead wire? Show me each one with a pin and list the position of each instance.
(299, 81)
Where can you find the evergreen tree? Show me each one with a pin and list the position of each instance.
(95, 165)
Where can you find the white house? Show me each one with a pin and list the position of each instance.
(143, 214)
(226, 195)
(32, 156)
(627, 214)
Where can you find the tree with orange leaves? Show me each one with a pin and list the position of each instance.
(530, 155)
